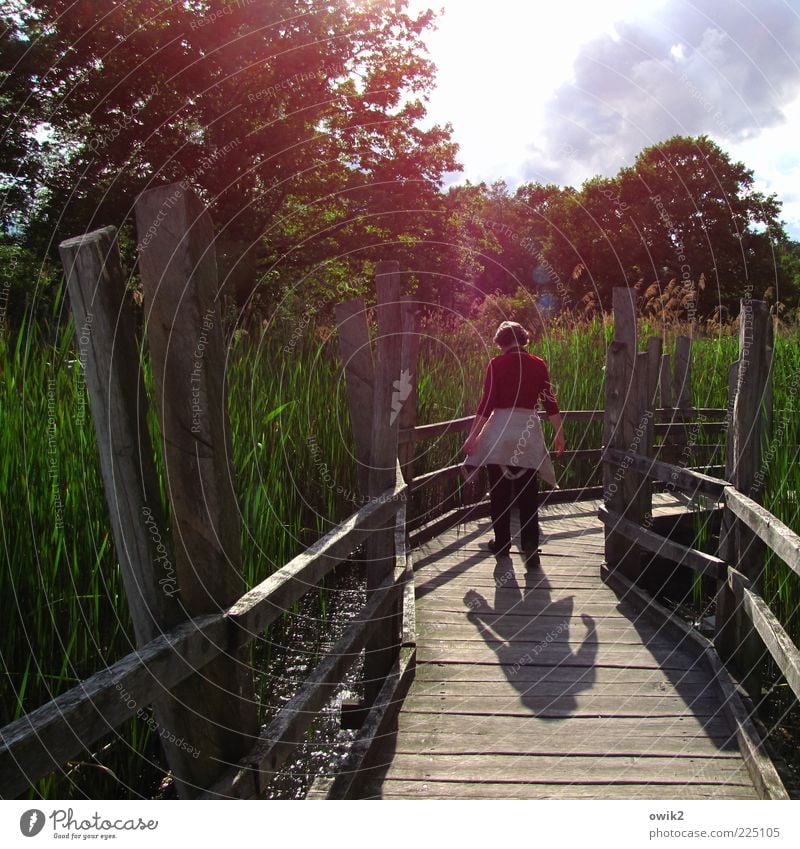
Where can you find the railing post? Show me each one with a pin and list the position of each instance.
(108, 350)
(624, 410)
(356, 354)
(752, 415)
(380, 555)
(179, 275)
(408, 386)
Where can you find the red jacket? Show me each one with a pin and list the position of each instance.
(517, 379)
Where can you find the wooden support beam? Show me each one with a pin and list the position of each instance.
(356, 354)
(698, 561)
(725, 617)
(104, 329)
(179, 277)
(622, 409)
(107, 341)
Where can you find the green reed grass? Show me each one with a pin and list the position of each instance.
(63, 599)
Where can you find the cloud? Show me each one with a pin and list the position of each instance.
(727, 68)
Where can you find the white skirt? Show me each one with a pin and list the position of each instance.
(513, 438)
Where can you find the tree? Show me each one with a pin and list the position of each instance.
(299, 122)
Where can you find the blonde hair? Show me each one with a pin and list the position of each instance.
(510, 333)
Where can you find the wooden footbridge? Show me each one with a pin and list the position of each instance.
(482, 679)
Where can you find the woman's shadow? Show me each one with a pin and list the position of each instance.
(529, 633)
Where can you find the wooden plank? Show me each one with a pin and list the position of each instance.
(776, 641)
(676, 477)
(778, 536)
(45, 739)
(583, 687)
(622, 656)
(266, 602)
(356, 354)
(487, 741)
(434, 790)
(705, 564)
(546, 769)
(184, 330)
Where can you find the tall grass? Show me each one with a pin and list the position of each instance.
(62, 597)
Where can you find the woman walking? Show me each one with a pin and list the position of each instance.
(507, 438)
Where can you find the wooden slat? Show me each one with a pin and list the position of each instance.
(677, 477)
(267, 601)
(433, 790)
(546, 769)
(694, 559)
(43, 740)
(777, 642)
(778, 536)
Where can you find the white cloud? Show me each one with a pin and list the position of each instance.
(720, 67)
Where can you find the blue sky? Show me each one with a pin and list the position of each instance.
(558, 92)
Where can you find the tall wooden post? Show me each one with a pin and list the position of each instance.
(407, 397)
(359, 370)
(624, 413)
(682, 389)
(379, 548)
(725, 630)
(751, 418)
(179, 275)
(108, 351)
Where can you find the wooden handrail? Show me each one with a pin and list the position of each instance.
(285, 732)
(678, 477)
(39, 742)
(430, 431)
(784, 652)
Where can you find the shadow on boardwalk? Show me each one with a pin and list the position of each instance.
(530, 634)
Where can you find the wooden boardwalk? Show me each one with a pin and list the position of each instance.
(543, 684)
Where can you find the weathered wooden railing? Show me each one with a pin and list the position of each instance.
(666, 426)
(42, 741)
(192, 619)
(745, 628)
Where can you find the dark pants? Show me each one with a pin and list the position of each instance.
(523, 492)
